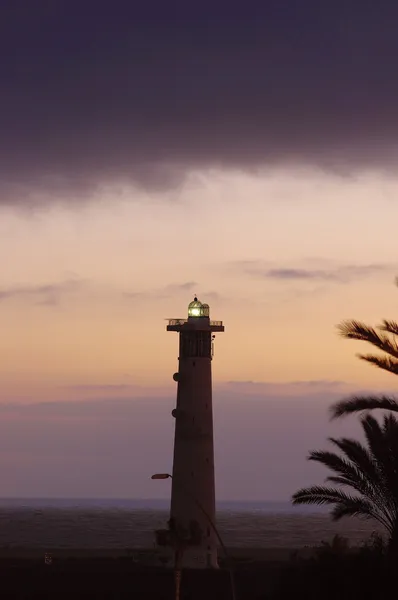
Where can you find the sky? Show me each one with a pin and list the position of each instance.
(245, 152)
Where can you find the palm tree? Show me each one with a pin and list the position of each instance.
(369, 474)
(384, 337)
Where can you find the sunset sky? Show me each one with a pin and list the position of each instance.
(246, 154)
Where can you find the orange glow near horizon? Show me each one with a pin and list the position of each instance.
(86, 294)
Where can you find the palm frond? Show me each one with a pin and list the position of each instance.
(354, 507)
(368, 472)
(320, 495)
(360, 458)
(355, 330)
(357, 478)
(345, 504)
(381, 440)
(382, 362)
(381, 433)
(389, 327)
(388, 455)
(355, 404)
(339, 479)
(390, 425)
(366, 475)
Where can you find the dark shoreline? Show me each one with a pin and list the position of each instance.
(244, 553)
(259, 574)
(118, 575)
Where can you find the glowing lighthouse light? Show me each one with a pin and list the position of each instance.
(192, 511)
(195, 308)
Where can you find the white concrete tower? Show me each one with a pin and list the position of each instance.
(193, 492)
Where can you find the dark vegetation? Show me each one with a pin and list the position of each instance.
(334, 572)
(338, 572)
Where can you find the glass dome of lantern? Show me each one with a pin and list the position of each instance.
(205, 310)
(195, 308)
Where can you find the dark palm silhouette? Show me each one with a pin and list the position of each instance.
(384, 337)
(365, 477)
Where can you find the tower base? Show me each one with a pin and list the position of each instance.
(199, 558)
(186, 556)
(191, 559)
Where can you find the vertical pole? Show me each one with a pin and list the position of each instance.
(177, 573)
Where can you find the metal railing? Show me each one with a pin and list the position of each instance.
(176, 322)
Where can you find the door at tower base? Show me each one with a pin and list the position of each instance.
(191, 532)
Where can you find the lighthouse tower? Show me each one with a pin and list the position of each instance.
(192, 512)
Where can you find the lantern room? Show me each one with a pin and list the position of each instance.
(196, 309)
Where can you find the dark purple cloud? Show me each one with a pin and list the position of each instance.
(327, 274)
(104, 92)
(43, 294)
(344, 274)
(316, 386)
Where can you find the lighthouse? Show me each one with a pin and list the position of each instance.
(192, 513)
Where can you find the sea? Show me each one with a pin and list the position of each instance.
(112, 524)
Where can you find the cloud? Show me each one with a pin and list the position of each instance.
(50, 294)
(141, 93)
(118, 400)
(113, 387)
(167, 291)
(343, 274)
(338, 274)
(45, 294)
(289, 389)
(112, 406)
